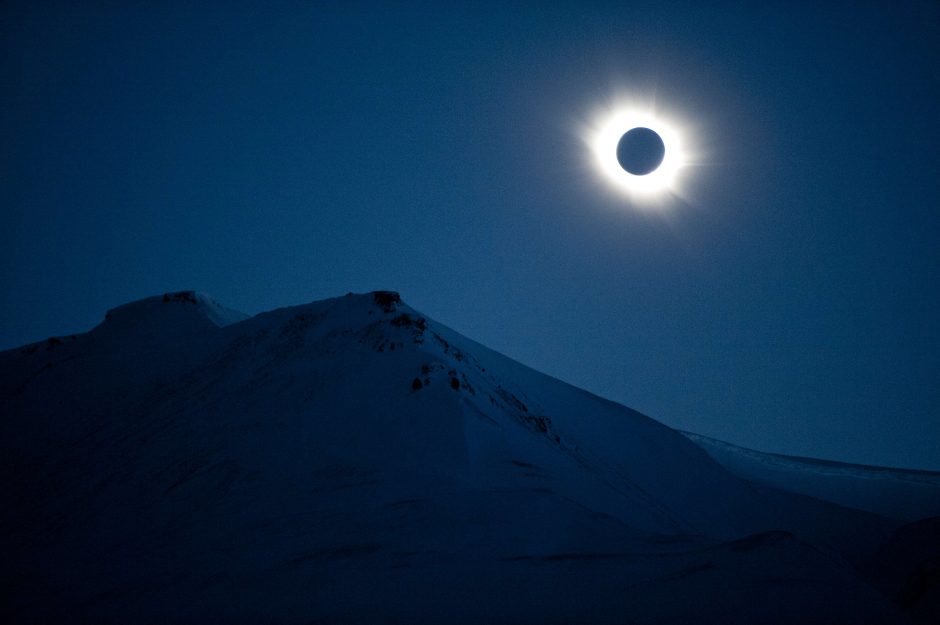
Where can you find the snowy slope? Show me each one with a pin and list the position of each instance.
(353, 461)
(902, 494)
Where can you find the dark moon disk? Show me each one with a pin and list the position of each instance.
(640, 151)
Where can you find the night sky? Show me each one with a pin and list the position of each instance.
(787, 300)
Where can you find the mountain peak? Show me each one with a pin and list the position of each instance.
(388, 300)
(172, 306)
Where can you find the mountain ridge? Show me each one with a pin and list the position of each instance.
(306, 452)
(905, 494)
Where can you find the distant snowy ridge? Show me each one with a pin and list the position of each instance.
(904, 494)
(203, 304)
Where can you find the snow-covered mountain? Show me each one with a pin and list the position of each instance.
(353, 461)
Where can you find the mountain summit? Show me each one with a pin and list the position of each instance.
(353, 461)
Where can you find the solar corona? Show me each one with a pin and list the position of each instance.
(638, 152)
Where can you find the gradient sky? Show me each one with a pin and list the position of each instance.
(276, 153)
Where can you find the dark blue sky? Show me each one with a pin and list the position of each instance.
(273, 155)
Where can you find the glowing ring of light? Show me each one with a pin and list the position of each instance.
(603, 140)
